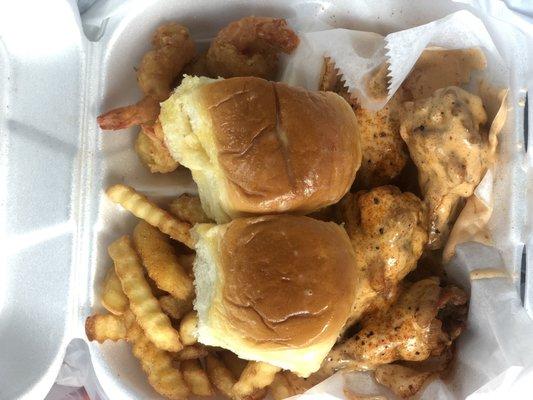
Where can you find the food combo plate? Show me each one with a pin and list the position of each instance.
(58, 74)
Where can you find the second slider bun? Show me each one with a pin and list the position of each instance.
(260, 147)
(276, 289)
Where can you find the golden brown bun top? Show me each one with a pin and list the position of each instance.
(288, 280)
(281, 147)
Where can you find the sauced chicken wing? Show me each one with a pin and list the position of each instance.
(387, 229)
(406, 378)
(450, 151)
(250, 47)
(423, 323)
(384, 152)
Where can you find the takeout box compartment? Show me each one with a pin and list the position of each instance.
(58, 83)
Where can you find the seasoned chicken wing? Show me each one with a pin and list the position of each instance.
(450, 151)
(384, 152)
(424, 322)
(403, 381)
(406, 378)
(387, 229)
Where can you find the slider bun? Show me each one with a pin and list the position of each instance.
(260, 147)
(276, 289)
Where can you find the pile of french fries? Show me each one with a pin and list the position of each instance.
(149, 295)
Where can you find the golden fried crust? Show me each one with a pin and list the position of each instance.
(281, 148)
(250, 47)
(384, 152)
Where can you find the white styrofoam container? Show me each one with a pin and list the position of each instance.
(55, 223)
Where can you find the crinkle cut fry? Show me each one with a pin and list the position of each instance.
(158, 365)
(102, 327)
(160, 260)
(192, 352)
(143, 304)
(256, 376)
(196, 378)
(113, 298)
(189, 208)
(144, 209)
(175, 308)
(219, 375)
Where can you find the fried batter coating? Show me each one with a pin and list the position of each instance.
(173, 49)
(387, 229)
(152, 151)
(250, 47)
(450, 151)
(197, 67)
(384, 152)
(424, 322)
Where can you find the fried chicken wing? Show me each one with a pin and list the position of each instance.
(387, 229)
(250, 47)
(384, 152)
(450, 151)
(406, 378)
(403, 381)
(424, 322)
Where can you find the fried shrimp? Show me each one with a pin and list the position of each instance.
(142, 112)
(250, 47)
(158, 70)
(152, 151)
(159, 67)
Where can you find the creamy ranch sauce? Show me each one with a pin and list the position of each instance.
(444, 139)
